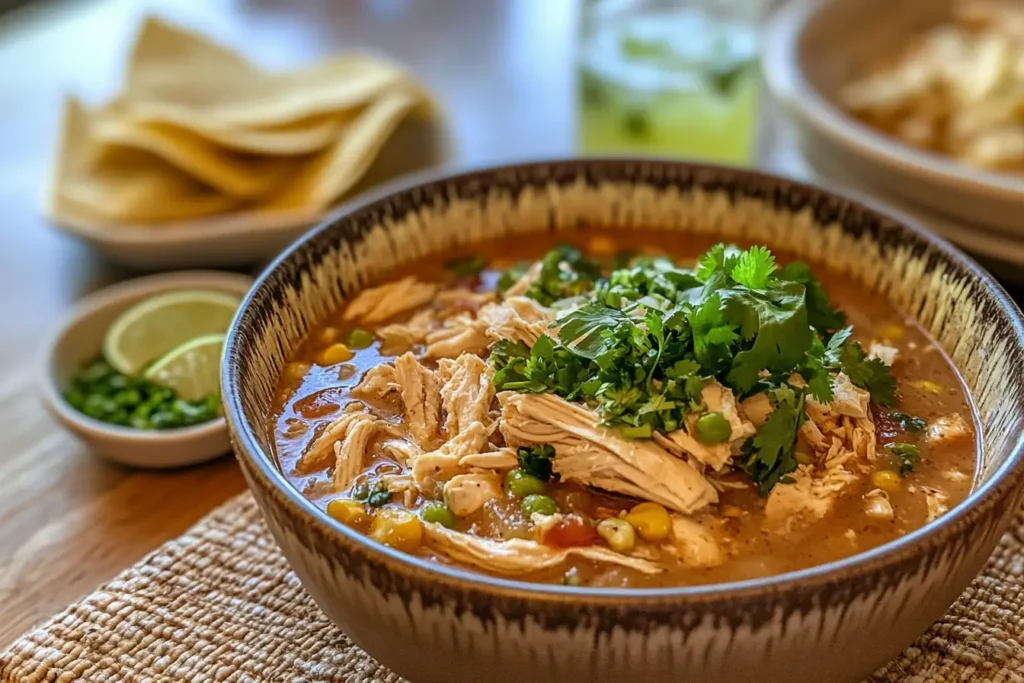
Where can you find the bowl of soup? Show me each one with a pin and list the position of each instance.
(608, 419)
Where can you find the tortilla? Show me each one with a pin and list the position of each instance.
(232, 173)
(178, 73)
(336, 170)
(129, 185)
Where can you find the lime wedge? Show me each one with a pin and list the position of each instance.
(192, 370)
(152, 328)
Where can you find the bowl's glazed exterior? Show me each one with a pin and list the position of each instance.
(832, 623)
(813, 48)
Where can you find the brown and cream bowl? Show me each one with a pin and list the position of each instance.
(835, 622)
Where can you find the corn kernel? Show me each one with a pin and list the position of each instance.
(928, 386)
(651, 521)
(602, 246)
(892, 332)
(334, 354)
(887, 480)
(397, 528)
(349, 512)
(618, 534)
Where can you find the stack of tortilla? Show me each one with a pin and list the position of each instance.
(198, 130)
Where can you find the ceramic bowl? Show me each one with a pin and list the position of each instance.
(815, 47)
(835, 622)
(80, 338)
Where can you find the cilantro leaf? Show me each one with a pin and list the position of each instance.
(711, 333)
(588, 330)
(823, 316)
(564, 273)
(469, 266)
(768, 456)
(536, 460)
(754, 268)
(719, 260)
(906, 455)
(783, 334)
(908, 423)
(868, 373)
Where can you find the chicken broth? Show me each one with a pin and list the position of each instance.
(597, 422)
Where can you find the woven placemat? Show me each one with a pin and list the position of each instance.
(220, 604)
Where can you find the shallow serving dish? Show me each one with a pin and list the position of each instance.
(242, 239)
(813, 48)
(79, 338)
(835, 622)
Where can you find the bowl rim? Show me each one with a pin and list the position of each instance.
(785, 78)
(1007, 476)
(125, 293)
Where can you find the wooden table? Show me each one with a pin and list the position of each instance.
(69, 521)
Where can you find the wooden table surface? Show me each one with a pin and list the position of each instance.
(69, 521)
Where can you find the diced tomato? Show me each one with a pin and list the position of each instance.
(570, 532)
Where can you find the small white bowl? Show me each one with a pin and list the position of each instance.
(80, 338)
(815, 47)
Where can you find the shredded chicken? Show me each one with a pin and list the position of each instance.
(467, 392)
(694, 544)
(377, 383)
(518, 319)
(520, 286)
(849, 399)
(810, 497)
(386, 301)
(444, 463)
(459, 335)
(681, 442)
(404, 336)
(878, 505)
(757, 408)
(467, 493)
(883, 352)
(500, 459)
(589, 454)
(421, 395)
(947, 428)
(937, 501)
(318, 455)
(518, 556)
(350, 452)
(456, 301)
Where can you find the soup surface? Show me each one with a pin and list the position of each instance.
(611, 418)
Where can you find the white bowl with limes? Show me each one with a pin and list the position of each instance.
(164, 328)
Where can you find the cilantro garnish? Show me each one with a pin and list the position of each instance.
(536, 461)
(469, 266)
(768, 456)
(908, 423)
(643, 340)
(564, 273)
(906, 455)
(511, 276)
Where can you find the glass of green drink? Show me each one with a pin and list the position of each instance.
(670, 78)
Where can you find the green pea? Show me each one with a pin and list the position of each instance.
(438, 513)
(360, 491)
(519, 484)
(359, 339)
(544, 505)
(713, 428)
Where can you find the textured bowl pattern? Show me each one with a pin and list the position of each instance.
(832, 623)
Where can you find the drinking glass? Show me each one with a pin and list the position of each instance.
(670, 78)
